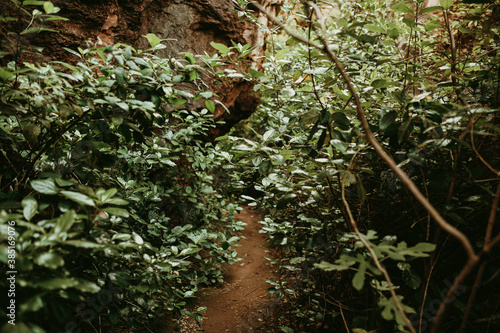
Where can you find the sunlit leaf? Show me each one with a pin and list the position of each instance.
(50, 259)
(30, 207)
(45, 186)
(223, 49)
(78, 197)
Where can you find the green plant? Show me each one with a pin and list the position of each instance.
(109, 181)
(338, 92)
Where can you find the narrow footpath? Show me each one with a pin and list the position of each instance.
(242, 304)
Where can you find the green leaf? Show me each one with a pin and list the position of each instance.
(255, 74)
(272, 290)
(141, 62)
(341, 120)
(432, 25)
(359, 277)
(361, 191)
(153, 40)
(33, 3)
(420, 248)
(206, 94)
(56, 18)
(137, 239)
(64, 222)
(379, 83)
(30, 207)
(104, 196)
(32, 304)
(78, 197)
(19, 327)
(210, 105)
(45, 186)
(347, 177)
(409, 22)
(121, 76)
(50, 259)
(446, 4)
(82, 244)
(405, 130)
(177, 101)
(193, 75)
(268, 135)
(196, 238)
(391, 311)
(360, 330)
(190, 58)
(387, 119)
(429, 10)
(196, 316)
(128, 53)
(117, 211)
(117, 201)
(393, 33)
(65, 283)
(374, 28)
(31, 30)
(223, 49)
(5, 75)
(328, 267)
(48, 7)
(464, 30)
(402, 7)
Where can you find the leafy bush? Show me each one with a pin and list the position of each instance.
(107, 189)
(305, 158)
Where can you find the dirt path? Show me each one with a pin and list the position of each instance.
(242, 303)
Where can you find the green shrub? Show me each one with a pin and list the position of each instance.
(429, 104)
(107, 188)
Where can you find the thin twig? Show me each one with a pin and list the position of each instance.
(343, 319)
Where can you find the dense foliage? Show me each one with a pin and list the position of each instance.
(118, 203)
(427, 79)
(107, 187)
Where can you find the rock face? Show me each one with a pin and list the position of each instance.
(189, 24)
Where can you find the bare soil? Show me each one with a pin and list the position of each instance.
(241, 304)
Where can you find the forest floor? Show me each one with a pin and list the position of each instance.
(241, 304)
